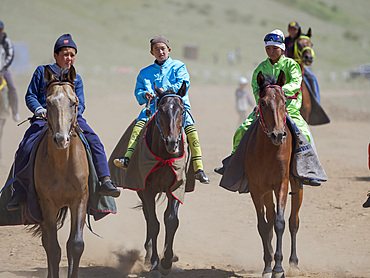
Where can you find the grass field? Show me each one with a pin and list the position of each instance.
(113, 36)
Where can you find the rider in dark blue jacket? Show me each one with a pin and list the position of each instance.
(64, 54)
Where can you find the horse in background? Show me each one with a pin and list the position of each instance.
(61, 174)
(304, 55)
(267, 169)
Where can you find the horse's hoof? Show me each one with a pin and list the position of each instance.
(278, 275)
(155, 274)
(266, 274)
(163, 270)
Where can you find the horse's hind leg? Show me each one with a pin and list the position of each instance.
(50, 241)
(152, 227)
(265, 228)
(75, 243)
(172, 223)
(294, 219)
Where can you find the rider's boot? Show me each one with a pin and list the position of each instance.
(16, 202)
(196, 153)
(134, 139)
(367, 203)
(107, 188)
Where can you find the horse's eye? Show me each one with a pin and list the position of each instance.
(263, 103)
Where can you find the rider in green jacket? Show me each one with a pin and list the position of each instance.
(272, 66)
(276, 61)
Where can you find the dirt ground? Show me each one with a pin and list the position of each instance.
(217, 236)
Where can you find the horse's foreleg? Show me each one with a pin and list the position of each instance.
(279, 226)
(50, 241)
(75, 243)
(172, 223)
(294, 219)
(264, 229)
(152, 227)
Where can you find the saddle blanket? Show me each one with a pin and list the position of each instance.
(305, 162)
(144, 163)
(98, 206)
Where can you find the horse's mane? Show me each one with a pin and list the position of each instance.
(269, 80)
(165, 93)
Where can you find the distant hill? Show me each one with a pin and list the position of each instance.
(113, 35)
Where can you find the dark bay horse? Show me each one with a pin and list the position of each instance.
(267, 168)
(164, 137)
(61, 174)
(304, 55)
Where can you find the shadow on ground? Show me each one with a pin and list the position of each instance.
(102, 271)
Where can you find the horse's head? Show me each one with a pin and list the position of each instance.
(303, 51)
(62, 104)
(170, 116)
(271, 107)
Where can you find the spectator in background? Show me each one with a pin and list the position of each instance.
(242, 100)
(293, 30)
(7, 45)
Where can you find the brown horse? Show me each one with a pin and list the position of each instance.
(61, 174)
(164, 137)
(304, 55)
(267, 168)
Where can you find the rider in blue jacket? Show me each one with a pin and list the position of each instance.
(167, 74)
(65, 51)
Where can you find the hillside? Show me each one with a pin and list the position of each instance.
(113, 36)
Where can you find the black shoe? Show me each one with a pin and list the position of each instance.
(220, 170)
(122, 162)
(201, 176)
(107, 188)
(16, 203)
(311, 182)
(367, 203)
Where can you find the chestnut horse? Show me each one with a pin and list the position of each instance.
(304, 55)
(61, 174)
(164, 137)
(267, 168)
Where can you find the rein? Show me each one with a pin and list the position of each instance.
(157, 117)
(298, 53)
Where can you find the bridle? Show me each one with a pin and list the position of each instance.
(74, 121)
(157, 117)
(298, 53)
(258, 110)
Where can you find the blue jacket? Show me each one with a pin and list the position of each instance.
(36, 92)
(169, 75)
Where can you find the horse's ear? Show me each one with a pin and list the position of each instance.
(48, 74)
(281, 79)
(299, 32)
(309, 33)
(260, 79)
(158, 91)
(182, 91)
(71, 76)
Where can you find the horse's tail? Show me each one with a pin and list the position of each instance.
(61, 216)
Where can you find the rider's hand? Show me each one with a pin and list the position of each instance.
(148, 96)
(40, 112)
